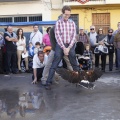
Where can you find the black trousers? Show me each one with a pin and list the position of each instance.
(110, 60)
(11, 61)
(39, 73)
(103, 60)
(1, 61)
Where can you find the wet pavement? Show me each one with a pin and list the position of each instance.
(20, 100)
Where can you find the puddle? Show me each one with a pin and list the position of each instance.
(14, 104)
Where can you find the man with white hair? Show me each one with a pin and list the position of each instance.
(92, 35)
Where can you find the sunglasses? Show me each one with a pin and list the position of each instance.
(92, 29)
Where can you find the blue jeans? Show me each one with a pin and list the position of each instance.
(58, 57)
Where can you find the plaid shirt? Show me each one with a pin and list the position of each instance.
(84, 39)
(65, 32)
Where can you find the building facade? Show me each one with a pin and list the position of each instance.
(24, 11)
(101, 13)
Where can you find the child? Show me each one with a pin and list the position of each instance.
(31, 50)
(37, 48)
(88, 55)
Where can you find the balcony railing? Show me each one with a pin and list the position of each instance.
(76, 0)
(90, 2)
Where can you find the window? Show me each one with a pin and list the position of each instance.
(75, 18)
(35, 18)
(6, 19)
(26, 18)
(20, 19)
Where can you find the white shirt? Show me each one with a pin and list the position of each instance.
(36, 37)
(21, 41)
(37, 63)
(93, 38)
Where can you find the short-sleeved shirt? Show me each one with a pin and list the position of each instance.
(37, 63)
(10, 46)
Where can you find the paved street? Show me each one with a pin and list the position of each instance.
(20, 100)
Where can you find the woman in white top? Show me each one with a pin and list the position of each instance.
(21, 48)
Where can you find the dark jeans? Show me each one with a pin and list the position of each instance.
(110, 60)
(103, 60)
(39, 73)
(11, 61)
(57, 58)
(116, 60)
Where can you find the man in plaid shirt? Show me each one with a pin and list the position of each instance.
(65, 33)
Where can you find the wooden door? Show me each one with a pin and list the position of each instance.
(101, 20)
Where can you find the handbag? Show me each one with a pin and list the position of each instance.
(102, 49)
(96, 50)
(111, 49)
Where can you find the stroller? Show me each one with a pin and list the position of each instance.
(84, 59)
(30, 64)
(84, 62)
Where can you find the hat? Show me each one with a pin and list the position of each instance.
(81, 28)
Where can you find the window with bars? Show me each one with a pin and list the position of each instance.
(21, 18)
(6, 19)
(35, 18)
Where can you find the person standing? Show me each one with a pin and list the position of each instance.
(92, 36)
(21, 48)
(46, 38)
(100, 41)
(65, 34)
(114, 33)
(35, 36)
(82, 40)
(11, 50)
(117, 46)
(110, 41)
(1, 52)
(51, 57)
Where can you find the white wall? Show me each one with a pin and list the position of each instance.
(112, 1)
(21, 8)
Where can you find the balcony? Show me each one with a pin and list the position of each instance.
(90, 2)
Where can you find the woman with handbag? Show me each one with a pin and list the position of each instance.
(21, 48)
(110, 40)
(100, 39)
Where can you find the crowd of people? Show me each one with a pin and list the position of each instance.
(60, 44)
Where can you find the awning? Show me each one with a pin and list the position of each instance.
(27, 23)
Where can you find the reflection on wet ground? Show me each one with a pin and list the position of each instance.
(14, 104)
(20, 100)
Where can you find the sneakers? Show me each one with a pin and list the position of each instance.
(86, 84)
